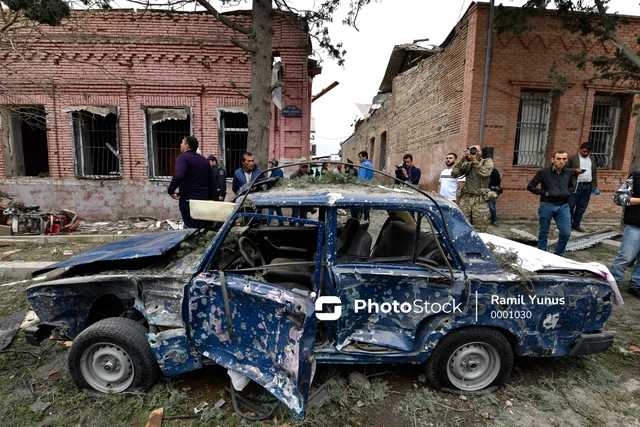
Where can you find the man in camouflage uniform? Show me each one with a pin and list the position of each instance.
(476, 171)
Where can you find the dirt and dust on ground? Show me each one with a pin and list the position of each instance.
(595, 390)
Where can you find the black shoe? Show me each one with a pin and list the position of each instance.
(635, 292)
(577, 228)
(494, 223)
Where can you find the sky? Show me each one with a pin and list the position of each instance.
(382, 25)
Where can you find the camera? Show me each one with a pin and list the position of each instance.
(473, 151)
(399, 174)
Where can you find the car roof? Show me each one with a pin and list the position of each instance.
(344, 195)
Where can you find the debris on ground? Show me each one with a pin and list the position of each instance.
(9, 327)
(359, 380)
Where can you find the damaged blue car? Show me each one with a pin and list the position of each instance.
(269, 296)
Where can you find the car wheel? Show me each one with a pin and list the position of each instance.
(112, 356)
(470, 359)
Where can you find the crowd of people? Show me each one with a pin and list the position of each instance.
(471, 181)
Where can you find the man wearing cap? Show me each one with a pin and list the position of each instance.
(219, 178)
(194, 179)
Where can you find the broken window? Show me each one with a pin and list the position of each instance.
(95, 139)
(25, 140)
(531, 129)
(166, 127)
(604, 128)
(234, 130)
(383, 151)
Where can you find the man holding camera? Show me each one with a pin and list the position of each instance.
(407, 171)
(475, 194)
(584, 177)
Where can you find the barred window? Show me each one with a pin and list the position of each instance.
(95, 137)
(166, 127)
(531, 129)
(604, 129)
(234, 129)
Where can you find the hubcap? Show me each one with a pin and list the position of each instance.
(107, 368)
(473, 366)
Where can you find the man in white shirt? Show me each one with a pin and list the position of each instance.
(447, 185)
(584, 177)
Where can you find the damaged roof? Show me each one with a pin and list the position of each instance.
(403, 58)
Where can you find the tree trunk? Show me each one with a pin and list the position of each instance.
(260, 100)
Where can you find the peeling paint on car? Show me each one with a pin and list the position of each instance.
(255, 315)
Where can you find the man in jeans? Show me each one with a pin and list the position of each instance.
(629, 196)
(555, 190)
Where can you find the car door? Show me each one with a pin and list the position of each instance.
(389, 296)
(384, 305)
(263, 330)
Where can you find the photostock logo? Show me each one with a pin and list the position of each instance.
(333, 305)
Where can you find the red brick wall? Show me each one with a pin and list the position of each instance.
(134, 59)
(436, 106)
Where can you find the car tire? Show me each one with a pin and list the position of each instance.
(112, 356)
(470, 359)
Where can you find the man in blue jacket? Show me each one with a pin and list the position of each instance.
(555, 189)
(246, 173)
(194, 178)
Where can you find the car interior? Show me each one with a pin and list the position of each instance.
(286, 254)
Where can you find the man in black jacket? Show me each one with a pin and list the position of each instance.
(555, 190)
(629, 196)
(219, 178)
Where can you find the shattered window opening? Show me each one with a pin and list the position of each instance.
(531, 129)
(97, 151)
(604, 129)
(165, 129)
(25, 132)
(234, 129)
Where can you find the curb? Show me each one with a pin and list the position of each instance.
(21, 270)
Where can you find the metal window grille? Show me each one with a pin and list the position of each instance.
(97, 152)
(164, 138)
(235, 131)
(604, 129)
(531, 130)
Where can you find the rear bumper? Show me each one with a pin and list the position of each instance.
(593, 343)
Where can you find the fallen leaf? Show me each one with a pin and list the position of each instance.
(52, 374)
(634, 348)
(453, 402)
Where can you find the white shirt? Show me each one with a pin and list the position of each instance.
(449, 184)
(585, 163)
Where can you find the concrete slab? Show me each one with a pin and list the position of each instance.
(21, 270)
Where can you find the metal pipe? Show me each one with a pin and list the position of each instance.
(487, 66)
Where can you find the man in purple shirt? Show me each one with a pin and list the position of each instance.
(194, 178)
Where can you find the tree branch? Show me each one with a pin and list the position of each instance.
(229, 23)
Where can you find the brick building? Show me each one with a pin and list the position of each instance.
(430, 104)
(93, 111)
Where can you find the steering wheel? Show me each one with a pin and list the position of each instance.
(250, 252)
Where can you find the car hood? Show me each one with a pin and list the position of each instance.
(138, 247)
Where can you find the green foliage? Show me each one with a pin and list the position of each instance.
(560, 82)
(585, 19)
(49, 12)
